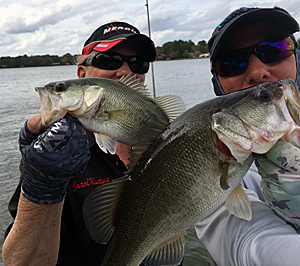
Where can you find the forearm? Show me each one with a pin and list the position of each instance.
(35, 236)
(265, 240)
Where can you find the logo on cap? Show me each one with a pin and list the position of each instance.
(102, 45)
(234, 14)
(118, 28)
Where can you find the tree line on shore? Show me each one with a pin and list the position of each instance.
(36, 60)
(170, 50)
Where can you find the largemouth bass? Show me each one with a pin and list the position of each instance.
(118, 110)
(187, 173)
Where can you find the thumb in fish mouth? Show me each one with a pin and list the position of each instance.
(34, 123)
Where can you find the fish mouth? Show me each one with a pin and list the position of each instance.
(51, 106)
(292, 99)
(292, 102)
(289, 105)
(243, 137)
(223, 148)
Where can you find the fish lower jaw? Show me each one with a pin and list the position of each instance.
(48, 118)
(236, 146)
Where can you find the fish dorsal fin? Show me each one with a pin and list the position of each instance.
(239, 204)
(99, 209)
(170, 253)
(135, 84)
(145, 139)
(172, 105)
(106, 143)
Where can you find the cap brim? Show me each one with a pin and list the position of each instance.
(106, 45)
(146, 45)
(144, 42)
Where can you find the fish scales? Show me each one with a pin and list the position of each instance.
(161, 196)
(113, 110)
(184, 176)
(132, 107)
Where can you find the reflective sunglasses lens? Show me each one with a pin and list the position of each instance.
(270, 52)
(108, 62)
(232, 66)
(138, 65)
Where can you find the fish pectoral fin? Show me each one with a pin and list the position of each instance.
(170, 253)
(117, 115)
(146, 137)
(99, 209)
(105, 143)
(239, 204)
(136, 154)
(150, 132)
(172, 105)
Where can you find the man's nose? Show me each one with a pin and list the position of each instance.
(257, 72)
(123, 70)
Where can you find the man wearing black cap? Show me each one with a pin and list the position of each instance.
(49, 228)
(251, 46)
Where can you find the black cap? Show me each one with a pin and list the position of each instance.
(245, 15)
(109, 35)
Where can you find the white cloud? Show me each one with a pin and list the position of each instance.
(62, 26)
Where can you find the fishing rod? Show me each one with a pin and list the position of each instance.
(151, 63)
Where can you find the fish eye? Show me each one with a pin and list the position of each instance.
(59, 87)
(264, 95)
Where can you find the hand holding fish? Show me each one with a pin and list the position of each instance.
(51, 158)
(280, 171)
(34, 123)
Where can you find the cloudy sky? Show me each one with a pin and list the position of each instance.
(57, 27)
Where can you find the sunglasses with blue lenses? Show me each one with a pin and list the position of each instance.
(137, 64)
(272, 50)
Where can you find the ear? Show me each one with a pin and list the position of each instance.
(81, 71)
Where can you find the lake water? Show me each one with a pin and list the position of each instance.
(189, 79)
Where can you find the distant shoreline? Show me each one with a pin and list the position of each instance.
(73, 64)
(175, 50)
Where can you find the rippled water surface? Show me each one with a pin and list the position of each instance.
(189, 79)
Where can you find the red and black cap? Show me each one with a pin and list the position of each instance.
(244, 16)
(109, 35)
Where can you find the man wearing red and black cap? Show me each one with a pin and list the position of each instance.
(109, 35)
(49, 227)
(251, 46)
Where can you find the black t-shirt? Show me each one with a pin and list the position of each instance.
(76, 245)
